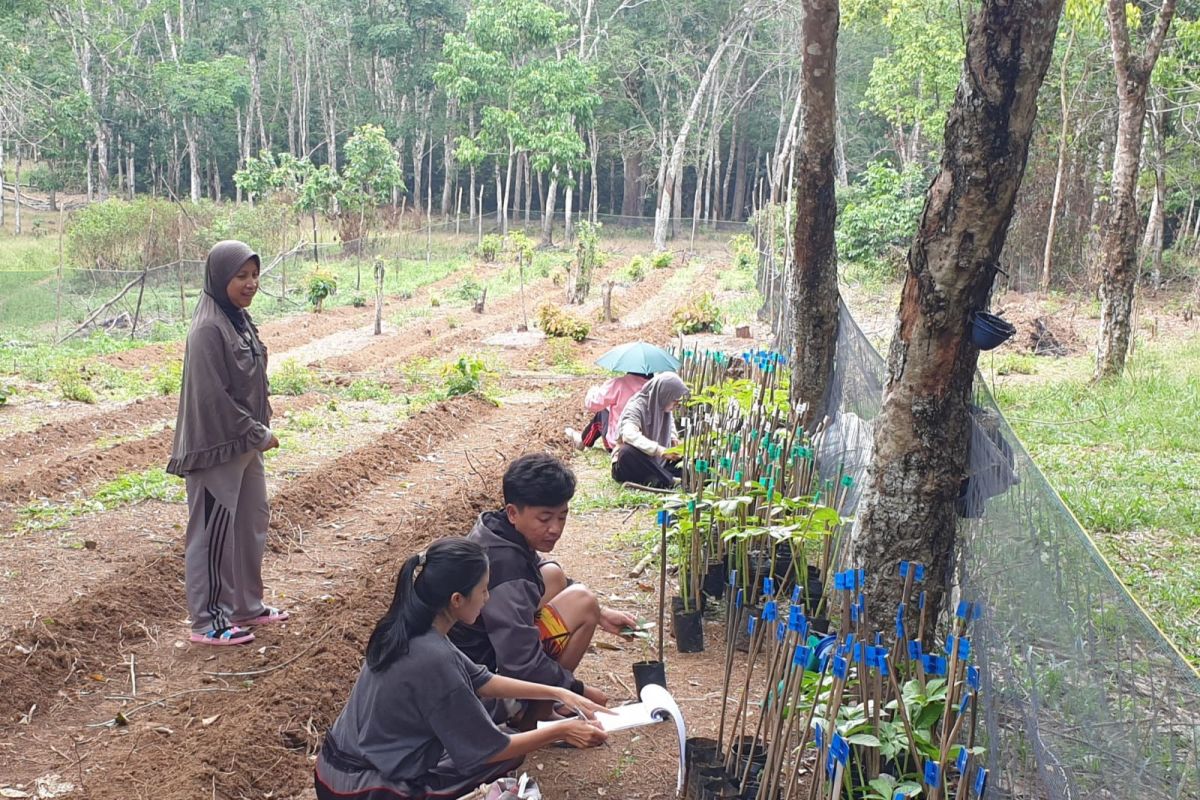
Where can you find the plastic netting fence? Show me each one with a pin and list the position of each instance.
(1087, 698)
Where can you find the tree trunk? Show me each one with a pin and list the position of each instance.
(17, 194)
(1, 184)
(922, 432)
(1152, 242)
(668, 194)
(1119, 249)
(568, 198)
(631, 167)
(548, 209)
(527, 173)
(1060, 169)
(813, 291)
(737, 209)
(193, 149)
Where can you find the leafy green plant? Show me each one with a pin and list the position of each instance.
(878, 214)
(558, 323)
(662, 259)
(168, 378)
(468, 290)
(635, 270)
(367, 389)
(292, 378)
(321, 285)
(6, 391)
(358, 300)
(745, 254)
(464, 376)
(490, 247)
(72, 385)
(126, 489)
(698, 315)
(587, 260)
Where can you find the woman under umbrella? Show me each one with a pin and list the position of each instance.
(645, 432)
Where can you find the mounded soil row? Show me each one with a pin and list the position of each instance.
(262, 738)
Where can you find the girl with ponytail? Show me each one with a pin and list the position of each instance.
(415, 726)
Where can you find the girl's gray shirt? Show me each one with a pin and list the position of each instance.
(400, 720)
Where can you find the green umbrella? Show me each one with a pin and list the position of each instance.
(639, 357)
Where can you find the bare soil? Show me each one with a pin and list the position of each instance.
(99, 686)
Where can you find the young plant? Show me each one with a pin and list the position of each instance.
(321, 286)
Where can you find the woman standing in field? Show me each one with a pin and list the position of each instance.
(221, 433)
(414, 726)
(646, 430)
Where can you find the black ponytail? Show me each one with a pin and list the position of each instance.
(424, 587)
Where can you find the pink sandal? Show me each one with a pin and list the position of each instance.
(268, 616)
(220, 637)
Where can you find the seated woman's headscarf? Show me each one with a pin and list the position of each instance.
(647, 408)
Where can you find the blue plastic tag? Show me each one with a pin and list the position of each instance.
(839, 668)
(961, 763)
(741, 597)
(733, 577)
(981, 776)
(819, 736)
(768, 586)
(750, 624)
(903, 569)
(802, 655)
(839, 748)
(973, 678)
(769, 613)
(950, 644)
(921, 602)
(914, 649)
(933, 774)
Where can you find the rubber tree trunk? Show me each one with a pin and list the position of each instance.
(813, 292)
(1119, 245)
(921, 434)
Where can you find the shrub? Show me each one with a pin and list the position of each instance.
(72, 385)
(358, 300)
(878, 215)
(661, 260)
(745, 255)
(636, 269)
(468, 290)
(697, 316)
(292, 378)
(490, 247)
(6, 392)
(168, 378)
(557, 323)
(320, 286)
(366, 389)
(464, 376)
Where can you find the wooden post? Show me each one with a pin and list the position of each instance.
(179, 274)
(379, 270)
(608, 312)
(138, 308)
(58, 288)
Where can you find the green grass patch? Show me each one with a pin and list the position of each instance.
(1126, 458)
(367, 389)
(1014, 364)
(127, 489)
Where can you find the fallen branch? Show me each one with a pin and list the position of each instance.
(264, 671)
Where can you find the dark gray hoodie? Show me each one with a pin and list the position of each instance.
(505, 638)
(223, 406)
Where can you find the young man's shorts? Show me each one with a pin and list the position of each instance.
(552, 631)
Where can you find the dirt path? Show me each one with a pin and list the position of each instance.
(338, 530)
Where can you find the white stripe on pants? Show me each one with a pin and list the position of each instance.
(226, 536)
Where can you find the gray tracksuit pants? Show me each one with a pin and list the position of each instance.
(226, 536)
